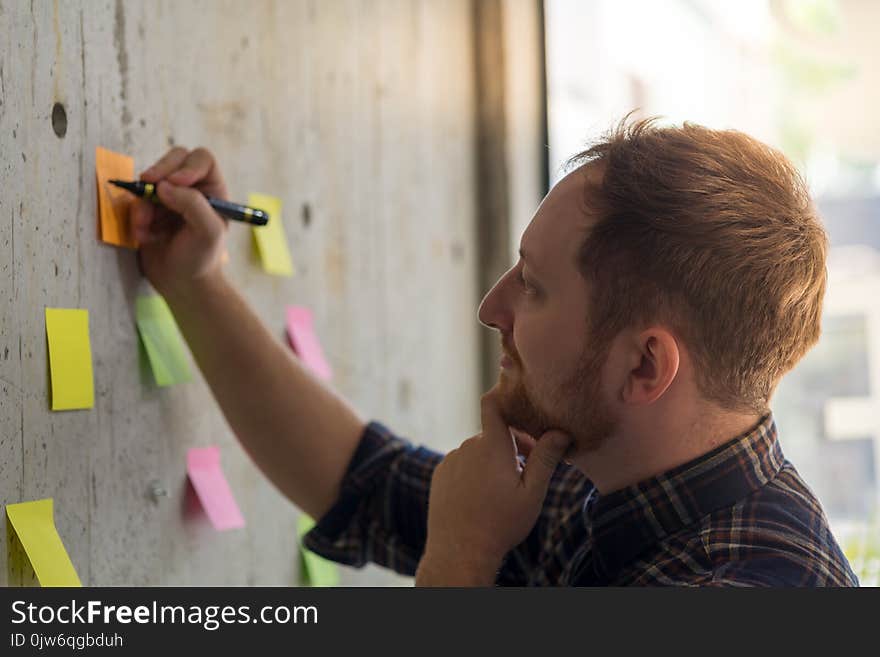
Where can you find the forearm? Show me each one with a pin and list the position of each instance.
(299, 432)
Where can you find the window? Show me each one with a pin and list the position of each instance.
(800, 76)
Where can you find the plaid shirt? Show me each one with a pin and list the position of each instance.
(739, 515)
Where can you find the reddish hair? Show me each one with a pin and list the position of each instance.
(714, 234)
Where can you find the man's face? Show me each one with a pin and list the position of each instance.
(551, 374)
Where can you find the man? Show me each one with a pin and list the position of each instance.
(663, 289)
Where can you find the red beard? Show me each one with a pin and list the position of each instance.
(582, 412)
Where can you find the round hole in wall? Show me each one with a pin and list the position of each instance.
(59, 119)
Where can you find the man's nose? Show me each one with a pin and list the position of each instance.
(495, 310)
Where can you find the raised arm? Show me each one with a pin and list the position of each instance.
(299, 432)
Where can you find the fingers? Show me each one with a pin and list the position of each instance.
(524, 442)
(198, 166)
(141, 215)
(543, 459)
(490, 414)
(192, 205)
(153, 223)
(166, 165)
(495, 429)
(187, 169)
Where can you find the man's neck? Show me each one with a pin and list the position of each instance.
(651, 444)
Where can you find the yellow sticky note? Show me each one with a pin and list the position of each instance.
(34, 524)
(271, 239)
(113, 203)
(70, 358)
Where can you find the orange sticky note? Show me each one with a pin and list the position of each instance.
(113, 203)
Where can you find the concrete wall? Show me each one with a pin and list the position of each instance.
(360, 116)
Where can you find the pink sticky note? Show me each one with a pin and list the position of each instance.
(206, 475)
(301, 333)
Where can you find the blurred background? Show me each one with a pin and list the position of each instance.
(802, 76)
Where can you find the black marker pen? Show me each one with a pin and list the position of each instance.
(226, 208)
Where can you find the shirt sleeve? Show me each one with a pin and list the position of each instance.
(381, 515)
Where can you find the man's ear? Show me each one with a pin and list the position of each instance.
(655, 355)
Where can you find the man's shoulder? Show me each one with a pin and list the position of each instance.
(777, 536)
(785, 503)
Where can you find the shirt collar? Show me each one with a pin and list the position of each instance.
(626, 522)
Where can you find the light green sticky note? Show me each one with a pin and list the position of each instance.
(34, 524)
(314, 570)
(271, 239)
(70, 358)
(162, 341)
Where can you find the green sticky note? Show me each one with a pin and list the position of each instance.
(70, 358)
(162, 341)
(314, 570)
(271, 239)
(34, 524)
